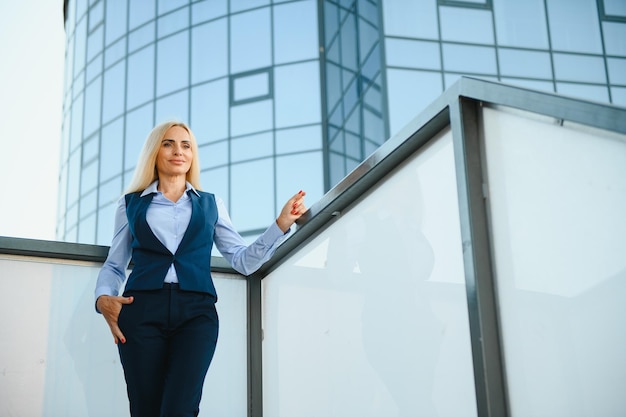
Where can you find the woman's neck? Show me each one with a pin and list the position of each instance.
(172, 187)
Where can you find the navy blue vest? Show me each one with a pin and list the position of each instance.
(192, 259)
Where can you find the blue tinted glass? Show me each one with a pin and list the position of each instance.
(587, 92)
(469, 59)
(239, 5)
(617, 70)
(333, 85)
(94, 69)
(250, 86)
(141, 37)
(574, 26)
(618, 96)
(368, 39)
(173, 63)
(94, 44)
(615, 8)
(466, 25)
(409, 93)
(250, 40)
(331, 22)
(353, 123)
(348, 42)
(373, 127)
(115, 21)
(111, 149)
(89, 180)
(369, 11)
(96, 13)
(532, 84)
(525, 63)
(209, 54)
(93, 102)
(173, 22)
(252, 184)
(416, 19)
(208, 9)
(579, 68)
(615, 38)
(295, 32)
(76, 132)
(216, 181)
(114, 87)
(209, 111)
(308, 166)
(297, 94)
(299, 139)
(213, 155)
(90, 148)
(252, 117)
(251, 147)
(353, 146)
(115, 52)
(169, 5)
(173, 107)
(140, 77)
(521, 23)
(138, 124)
(141, 12)
(87, 227)
(350, 97)
(412, 54)
(105, 226)
(337, 168)
(73, 178)
(80, 44)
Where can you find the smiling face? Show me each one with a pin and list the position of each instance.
(175, 154)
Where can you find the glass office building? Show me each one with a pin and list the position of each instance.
(290, 95)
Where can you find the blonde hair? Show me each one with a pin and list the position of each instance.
(146, 171)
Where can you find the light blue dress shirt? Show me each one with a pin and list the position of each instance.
(168, 221)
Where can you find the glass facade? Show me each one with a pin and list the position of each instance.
(290, 95)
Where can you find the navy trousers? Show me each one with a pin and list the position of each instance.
(170, 341)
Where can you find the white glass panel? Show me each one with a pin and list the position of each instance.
(557, 199)
(370, 317)
(58, 357)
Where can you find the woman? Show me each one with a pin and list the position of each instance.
(165, 323)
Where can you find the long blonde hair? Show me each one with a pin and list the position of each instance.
(146, 171)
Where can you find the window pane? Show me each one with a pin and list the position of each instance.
(618, 95)
(73, 178)
(251, 147)
(111, 148)
(114, 87)
(615, 8)
(76, 134)
(209, 111)
(115, 52)
(141, 12)
(587, 92)
(80, 40)
(617, 70)
(213, 155)
(94, 68)
(250, 40)
(209, 54)
(297, 94)
(173, 107)
(169, 5)
(574, 26)
(252, 183)
(91, 149)
(138, 124)
(412, 54)
(87, 229)
(349, 42)
(469, 59)
(93, 102)
(173, 63)
(89, 180)
(525, 63)
(208, 9)
(216, 181)
(295, 32)
(140, 77)
(369, 38)
(251, 86)
(466, 25)
(521, 23)
(94, 46)
(252, 117)
(532, 84)
(115, 21)
(105, 226)
(615, 38)
(416, 19)
(173, 22)
(308, 166)
(141, 37)
(299, 139)
(579, 68)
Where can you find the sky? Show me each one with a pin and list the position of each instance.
(32, 52)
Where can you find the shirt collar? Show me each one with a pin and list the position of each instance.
(152, 188)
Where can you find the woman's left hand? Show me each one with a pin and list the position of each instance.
(292, 211)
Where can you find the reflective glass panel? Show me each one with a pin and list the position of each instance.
(93, 103)
(204, 10)
(253, 183)
(94, 43)
(140, 77)
(579, 68)
(466, 25)
(469, 59)
(173, 22)
(173, 107)
(173, 63)
(574, 26)
(239, 5)
(141, 12)
(209, 115)
(115, 52)
(138, 124)
(295, 32)
(209, 53)
(521, 23)
(214, 154)
(519, 63)
(115, 21)
(114, 87)
(589, 92)
(251, 147)
(141, 37)
(297, 94)
(104, 231)
(614, 38)
(111, 150)
(614, 7)
(412, 54)
(250, 86)
(415, 19)
(250, 42)
(308, 167)
(169, 5)
(87, 226)
(89, 180)
(252, 117)
(80, 42)
(617, 70)
(298, 139)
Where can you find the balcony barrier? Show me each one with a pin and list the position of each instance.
(474, 265)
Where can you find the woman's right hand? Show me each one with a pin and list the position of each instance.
(110, 308)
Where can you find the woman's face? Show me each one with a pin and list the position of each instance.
(175, 155)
